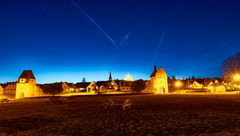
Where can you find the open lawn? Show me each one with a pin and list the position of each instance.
(149, 115)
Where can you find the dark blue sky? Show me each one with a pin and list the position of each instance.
(59, 42)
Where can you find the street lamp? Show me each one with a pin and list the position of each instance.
(178, 84)
(236, 77)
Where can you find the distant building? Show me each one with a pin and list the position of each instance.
(188, 84)
(125, 86)
(92, 87)
(208, 85)
(196, 85)
(26, 85)
(158, 83)
(10, 90)
(65, 87)
(102, 86)
(207, 82)
(84, 80)
(82, 86)
(111, 85)
(70, 87)
(217, 87)
(1, 90)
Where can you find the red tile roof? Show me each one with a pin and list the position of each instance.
(27, 74)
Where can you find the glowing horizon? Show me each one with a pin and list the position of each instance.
(73, 77)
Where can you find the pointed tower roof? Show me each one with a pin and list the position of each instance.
(161, 72)
(154, 71)
(28, 74)
(110, 77)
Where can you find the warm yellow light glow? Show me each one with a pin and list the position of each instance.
(236, 77)
(178, 84)
(128, 77)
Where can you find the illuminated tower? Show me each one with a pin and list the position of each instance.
(158, 83)
(111, 84)
(154, 72)
(26, 85)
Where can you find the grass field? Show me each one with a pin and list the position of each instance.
(149, 115)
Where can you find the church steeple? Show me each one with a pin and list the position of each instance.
(110, 77)
(154, 71)
(155, 67)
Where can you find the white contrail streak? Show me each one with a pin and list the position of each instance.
(124, 39)
(160, 43)
(167, 25)
(88, 17)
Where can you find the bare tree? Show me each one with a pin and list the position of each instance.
(231, 66)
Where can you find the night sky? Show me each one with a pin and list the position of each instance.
(66, 40)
